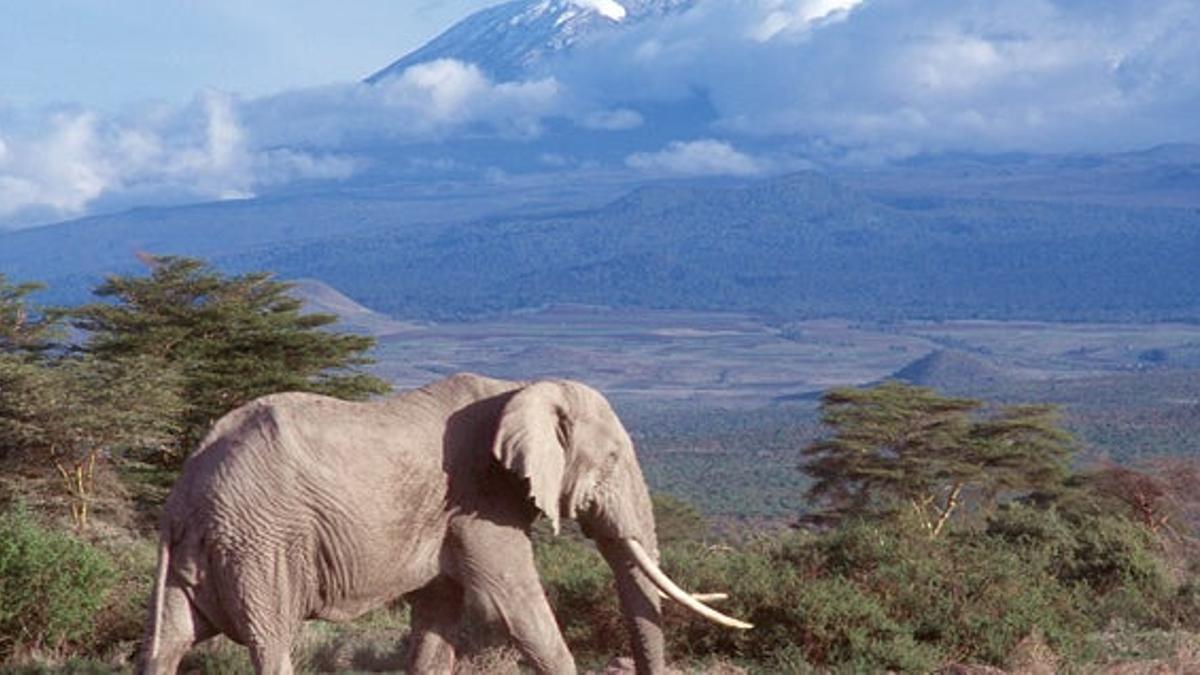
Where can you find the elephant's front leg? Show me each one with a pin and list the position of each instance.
(497, 570)
(436, 612)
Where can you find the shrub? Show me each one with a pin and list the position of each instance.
(877, 596)
(800, 618)
(583, 594)
(1115, 556)
(999, 597)
(51, 585)
(1111, 564)
(676, 520)
(1185, 606)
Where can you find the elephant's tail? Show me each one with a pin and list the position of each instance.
(160, 588)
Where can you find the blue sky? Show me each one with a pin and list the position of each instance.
(112, 53)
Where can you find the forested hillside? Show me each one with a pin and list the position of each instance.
(817, 248)
(795, 246)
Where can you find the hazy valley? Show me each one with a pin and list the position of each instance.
(735, 395)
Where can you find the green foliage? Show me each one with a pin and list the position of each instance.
(896, 447)
(231, 339)
(74, 405)
(51, 585)
(70, 413)
(23, 329)
(581, 589)
(675, 520)
(871, 598)
(1113, 564)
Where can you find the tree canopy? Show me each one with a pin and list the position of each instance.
(231, 338)
(77, 410)
(900, 448)
(157, 360)
(22, 327)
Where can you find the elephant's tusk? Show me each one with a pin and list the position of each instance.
(703, 597)
(671, 590)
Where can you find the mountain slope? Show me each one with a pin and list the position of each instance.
(74, 256)
(509, 40)
(800, 245)
(951, 371)
(321, 298)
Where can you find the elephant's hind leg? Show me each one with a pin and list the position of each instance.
(181, 628)
(266, 594)
(436, 612)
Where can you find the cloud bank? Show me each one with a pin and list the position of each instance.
(920, 75)
(58, 164)
(706, 157)
(841, 78)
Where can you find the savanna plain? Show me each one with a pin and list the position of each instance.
(1073, 552)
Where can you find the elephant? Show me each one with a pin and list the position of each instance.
(298, 506)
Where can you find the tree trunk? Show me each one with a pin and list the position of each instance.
(951, 505)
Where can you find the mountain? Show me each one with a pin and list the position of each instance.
(799, 245)
(806, 244)
(952, 371)
(321, 298)
(510, 40)
(74, 256)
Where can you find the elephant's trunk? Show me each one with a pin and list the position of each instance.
(621, 521)
(639, 606)
(621, 510)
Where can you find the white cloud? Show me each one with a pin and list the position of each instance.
(797, 16)
(448, 93)
(706, 157)
(71, 160)
(62, 165)
(1042, 75)
(428, 101)
(618, 119)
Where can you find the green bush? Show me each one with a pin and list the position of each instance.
(1113, 564)
(1119, 561)
(999, 597)
(800, 617)
(51, 585)
(582, 592)
(876, 596)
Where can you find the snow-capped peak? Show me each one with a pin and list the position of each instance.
(510, 40)
(609, 9)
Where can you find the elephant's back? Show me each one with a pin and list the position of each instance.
(288, 446)
(313, 481)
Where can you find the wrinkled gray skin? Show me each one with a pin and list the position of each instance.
(300, 507)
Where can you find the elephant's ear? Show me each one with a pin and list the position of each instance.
(531, 442)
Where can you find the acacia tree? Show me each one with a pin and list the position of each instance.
(896, 447)
(23, 328)
(230, 338)
(75, 412)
